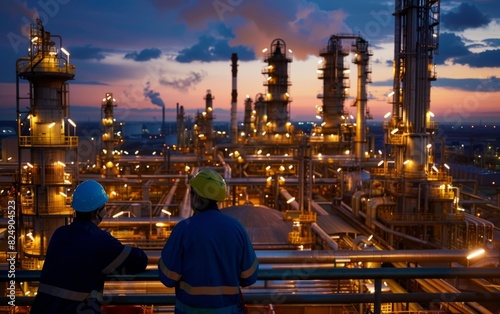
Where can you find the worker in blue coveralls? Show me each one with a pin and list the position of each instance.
(209, 255)
(80, 255)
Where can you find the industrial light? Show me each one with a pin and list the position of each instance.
(290, 200)
(390, 94)
(446, 166)
(370, 237)
(264, 50)
(396, 130)
(387, 115)
(51, 125)
(429, 145)
(475, 254)
(65, 51)
(380, 163)
(435, 169)
(406, 161)
(166, 212)
(118, 214)
(342, 260)
(72, 123)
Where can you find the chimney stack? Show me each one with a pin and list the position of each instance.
(234, 96)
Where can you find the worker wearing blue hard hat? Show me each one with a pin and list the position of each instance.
(80, 255)
(208, 256)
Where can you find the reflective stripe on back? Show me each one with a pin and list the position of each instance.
(118, 260)
(197, 310)
(206, 290)
(68, 294)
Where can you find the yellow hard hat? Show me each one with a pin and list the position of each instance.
(209, 184)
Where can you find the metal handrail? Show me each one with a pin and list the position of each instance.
(377, 274)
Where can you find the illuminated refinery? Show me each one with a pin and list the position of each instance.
(323, 192)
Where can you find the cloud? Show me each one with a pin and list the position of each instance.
(489, 84)
(492, 42)
(210, 49)
(186, 83)
(301, 24)
(485, 59)
(464, 17)
(450, 46)
(144, 55)
(87, 52)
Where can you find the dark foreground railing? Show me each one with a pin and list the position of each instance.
(376, 298)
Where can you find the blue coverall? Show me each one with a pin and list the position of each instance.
(207, 258)
(78, 259)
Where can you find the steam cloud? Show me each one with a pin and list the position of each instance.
(153, 96)
(186, 83)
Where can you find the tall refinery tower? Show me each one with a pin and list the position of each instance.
(48, 159)
(277, 82)
(109, 139)
(337, 131)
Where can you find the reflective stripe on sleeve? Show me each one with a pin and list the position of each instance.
(68, 294)
(249, 272)
(216, 290)
(172, 275)
(118, 260)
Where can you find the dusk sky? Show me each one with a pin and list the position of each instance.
(151, 53)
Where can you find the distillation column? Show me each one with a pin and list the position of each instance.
(260, 114)
(47, 134)
(277, 97)
(361, 58)
(416, 41)
(335, 86)
(108, 136)
(208, 117)
(248, 119)
(181, 132)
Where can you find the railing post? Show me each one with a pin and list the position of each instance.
(378, 296)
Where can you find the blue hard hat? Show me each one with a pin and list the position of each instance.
(88, 196)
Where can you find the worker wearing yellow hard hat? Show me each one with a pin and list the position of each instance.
(208, 256)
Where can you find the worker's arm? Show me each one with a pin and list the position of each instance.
(121, 259)
(170, 263)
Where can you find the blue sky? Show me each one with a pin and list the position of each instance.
(152, 52)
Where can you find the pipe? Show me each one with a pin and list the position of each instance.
(323, 235)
